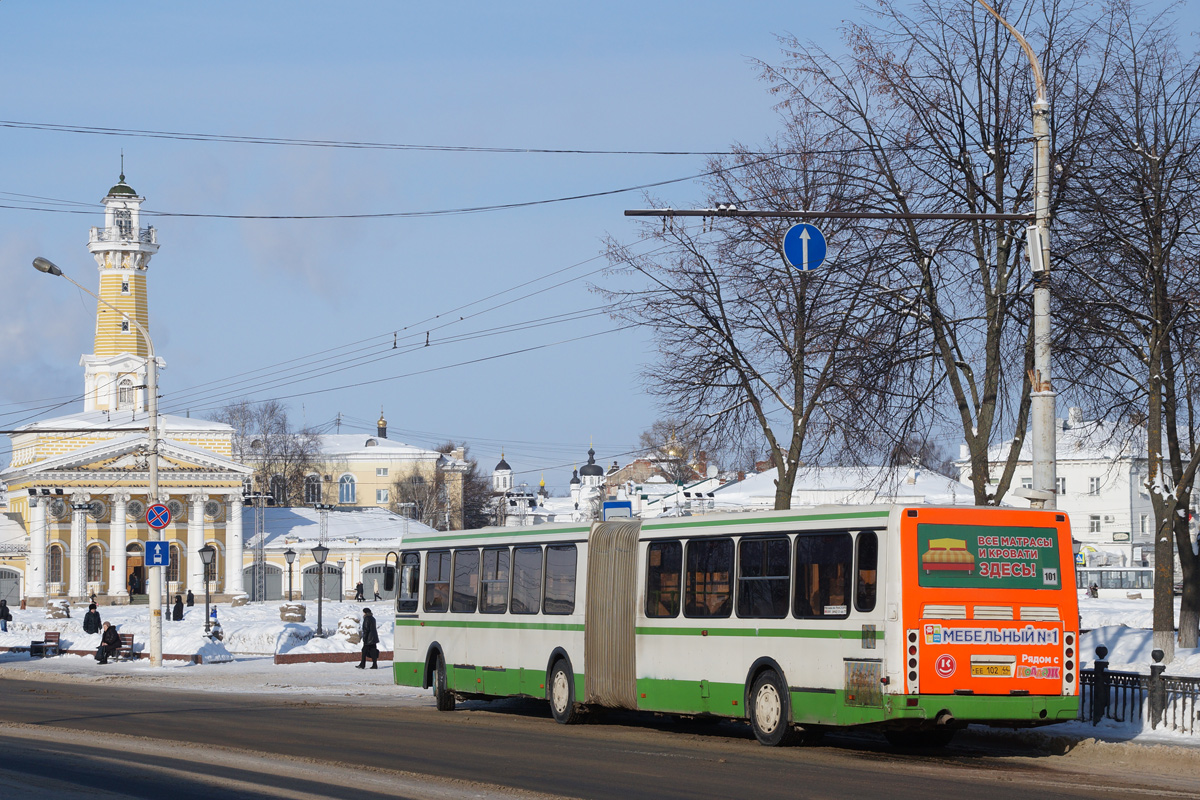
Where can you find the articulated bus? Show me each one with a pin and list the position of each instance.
(915, 621)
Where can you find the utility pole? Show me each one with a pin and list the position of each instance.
(1042, 396)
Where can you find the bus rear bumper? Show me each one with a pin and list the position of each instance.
(998, 710)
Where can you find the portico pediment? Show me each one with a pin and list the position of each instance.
(126, 457)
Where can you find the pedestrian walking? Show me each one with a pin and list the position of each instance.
(191, 599)
(358, 592)
(134, 585)
(5, 616)
(91, 620)
(177, 610)
(377, 597)
(370, 641)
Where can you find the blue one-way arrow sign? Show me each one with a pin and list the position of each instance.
(804, 246)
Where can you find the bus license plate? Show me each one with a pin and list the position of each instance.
(991, 670)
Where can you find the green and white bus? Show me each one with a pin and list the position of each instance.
(913, 620)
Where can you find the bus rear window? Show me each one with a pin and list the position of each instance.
(987, 557)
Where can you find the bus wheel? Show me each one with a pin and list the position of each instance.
(443, 696)
(561, 694)
(768, 710)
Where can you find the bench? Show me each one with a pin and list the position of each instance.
(126, 651)
(47, 646)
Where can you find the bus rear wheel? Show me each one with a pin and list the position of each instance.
(442, 694)
(561, 694)
(769, 710)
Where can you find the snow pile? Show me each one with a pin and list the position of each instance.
(249, 630)
(1129, 650)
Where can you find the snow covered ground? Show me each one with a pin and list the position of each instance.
(249, 630)
(254, 633)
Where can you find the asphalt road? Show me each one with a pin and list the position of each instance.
(62, 738)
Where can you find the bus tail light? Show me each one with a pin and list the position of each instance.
(1070, 664)
(912, 657)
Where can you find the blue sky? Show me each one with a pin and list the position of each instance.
(232, 296)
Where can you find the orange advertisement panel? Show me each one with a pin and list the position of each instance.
(989, 601)
(981, 655)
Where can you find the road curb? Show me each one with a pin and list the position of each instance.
(325, 658)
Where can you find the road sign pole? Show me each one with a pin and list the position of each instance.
(156, 573)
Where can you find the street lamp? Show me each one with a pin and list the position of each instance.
(290, 555)
(1043, 493)
(207, 553)
(320, 553)
(341, 579)
(156, 584)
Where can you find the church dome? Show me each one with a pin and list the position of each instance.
(575, 478)
(122, 189)
(503, 465)
(592, 468)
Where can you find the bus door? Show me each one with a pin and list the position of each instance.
(609, 643)
(990, 606)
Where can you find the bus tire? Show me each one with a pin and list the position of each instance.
(441, 693)
(769, 709)
(561, 694)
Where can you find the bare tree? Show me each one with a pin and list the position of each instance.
(937, 99)
(429, 495)
(1131, 304)
(802, 361)
(677, 447)
(264, 439)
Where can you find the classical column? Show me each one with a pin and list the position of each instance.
(118, 538)
(79, 516)
(233, 543)
(195, 540)
(35, 567)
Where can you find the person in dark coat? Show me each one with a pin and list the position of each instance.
(133, 583)
(370, 641)
(191, 601)
(5, 615)
(358, 591)
(110, 643)
(177, 610)
(91, 620)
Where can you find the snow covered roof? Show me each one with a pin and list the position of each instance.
(375, 447)
(299, 527)
(1083, 440)
(103, 420)
(847, 485)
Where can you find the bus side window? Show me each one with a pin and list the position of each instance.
(709, 567)
(560, 579)
(527, 580)
(410, 583)
(763, 578)
(466, 581)
(868, 571)
(823, 562)
(437, 581)
(664, 567)
(495, 581)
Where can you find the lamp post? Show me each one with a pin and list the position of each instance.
(290, 555)
(341, 579)
(320, 553)
(156, 583)
(207, 553)
(1044, 491)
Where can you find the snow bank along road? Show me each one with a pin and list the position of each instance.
(77, 739)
